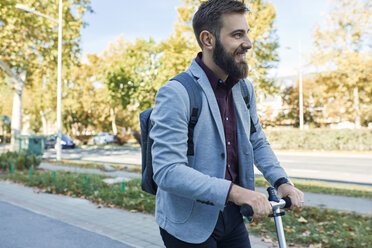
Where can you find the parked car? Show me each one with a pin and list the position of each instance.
(66, 142)
(50, 142)
(104, 138)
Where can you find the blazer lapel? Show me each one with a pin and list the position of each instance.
(202, 78)
(241, 108)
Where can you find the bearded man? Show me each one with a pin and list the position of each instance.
(199, 197)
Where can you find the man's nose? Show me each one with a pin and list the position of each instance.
(247, 44)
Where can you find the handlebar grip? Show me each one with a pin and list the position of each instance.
(288, 202)
(247, 211)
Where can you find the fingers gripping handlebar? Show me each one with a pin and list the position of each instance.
(275, 202)
(276, 205)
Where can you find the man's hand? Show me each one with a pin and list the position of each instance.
(258, 201)
(296, 195)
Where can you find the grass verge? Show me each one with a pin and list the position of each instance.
(318, 227)
(88, 186)
(313, 186)
(342, 189)
(92, 165)
(310, 226)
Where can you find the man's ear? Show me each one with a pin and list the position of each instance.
(207, 39)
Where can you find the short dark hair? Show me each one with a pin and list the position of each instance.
(209, 16)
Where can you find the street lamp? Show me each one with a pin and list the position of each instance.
(59, 80)
(300, 93)
(300, 87)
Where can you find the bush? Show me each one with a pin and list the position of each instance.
(122, 138)
(21, 161)
(83, 139)
(137, 136)
(321, 139)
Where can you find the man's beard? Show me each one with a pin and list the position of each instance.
(226, 61)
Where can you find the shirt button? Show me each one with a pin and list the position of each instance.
(228, 165)
(228, 142)
(220, 81)
(227, 118)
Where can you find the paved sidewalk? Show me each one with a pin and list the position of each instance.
(131, 229)
(40, 231)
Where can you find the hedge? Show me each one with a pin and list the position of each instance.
(320, 139)
(20, 161)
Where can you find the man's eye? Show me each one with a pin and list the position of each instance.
(238, 35)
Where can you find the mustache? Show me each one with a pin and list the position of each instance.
(240, 50)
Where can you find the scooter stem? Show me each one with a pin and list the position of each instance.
(276, 204)
(279, 228)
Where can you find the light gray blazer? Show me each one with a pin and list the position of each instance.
(192, 190)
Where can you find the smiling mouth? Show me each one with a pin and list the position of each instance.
(241, 56)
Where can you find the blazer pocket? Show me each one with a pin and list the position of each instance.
(178, 209)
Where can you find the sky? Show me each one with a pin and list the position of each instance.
(295, 22)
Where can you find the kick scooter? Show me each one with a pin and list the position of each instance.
(276, 205)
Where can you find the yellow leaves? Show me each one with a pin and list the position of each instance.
(267, 240)
(184, 13)
(315, 246)
(302, 220)
(289, 230)
(348, 227)
(253, 224)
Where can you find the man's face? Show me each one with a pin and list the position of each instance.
(232, 46)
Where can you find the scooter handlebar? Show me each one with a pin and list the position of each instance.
(247, 210)
(288, 202)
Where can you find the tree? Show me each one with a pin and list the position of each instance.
(342, 52)
(314, 103)
(129, 72)
(28, 44)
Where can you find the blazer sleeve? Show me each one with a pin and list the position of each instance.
(172, 173)
(264, 157)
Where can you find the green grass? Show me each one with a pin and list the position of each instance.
(342, 189)
(127, 145)
(330, 228)
(311, 225)
(92, 165)
(78, 164)
(97, 191)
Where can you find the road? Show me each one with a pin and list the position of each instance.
(345, 167)
(23, 228)
(349, 167)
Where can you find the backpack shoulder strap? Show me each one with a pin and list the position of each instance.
(193, 90)
(245, 92)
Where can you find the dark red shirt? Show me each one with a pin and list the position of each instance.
(222, 91)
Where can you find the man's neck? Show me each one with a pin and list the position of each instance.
(208, 61)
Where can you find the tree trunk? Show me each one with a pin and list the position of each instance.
(113, 120)
(356, 107)
(16, 117)
(44, 121)
(19, 83)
